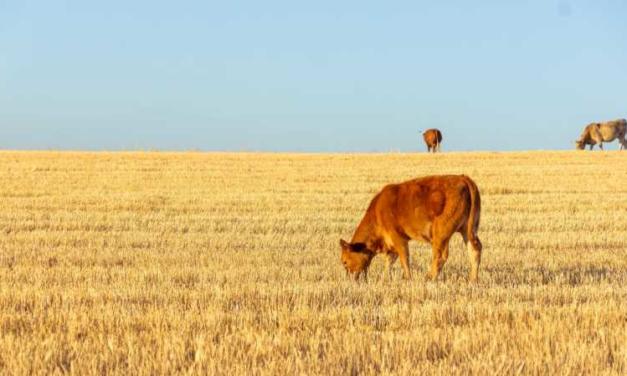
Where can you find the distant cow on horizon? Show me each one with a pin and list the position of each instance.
(598, 133)
(433, 139)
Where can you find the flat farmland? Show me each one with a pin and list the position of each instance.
(229, 263)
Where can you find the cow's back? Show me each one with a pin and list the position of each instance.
(613, 129)
(411, 206)
(432, 137)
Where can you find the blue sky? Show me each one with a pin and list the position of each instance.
(315, 76)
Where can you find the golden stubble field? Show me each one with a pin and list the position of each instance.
(155, 263)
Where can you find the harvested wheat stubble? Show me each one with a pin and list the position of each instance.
(228, 263)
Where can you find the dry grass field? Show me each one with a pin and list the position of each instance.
(161, 263)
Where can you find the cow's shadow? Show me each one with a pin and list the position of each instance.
(509, 275)
(539, 275)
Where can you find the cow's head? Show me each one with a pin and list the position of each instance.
(580, 145)
(356, 258)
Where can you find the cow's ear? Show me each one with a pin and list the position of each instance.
(344, 244)
(358, 247)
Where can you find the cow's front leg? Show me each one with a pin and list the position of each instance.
(403, 255)
(601, 145)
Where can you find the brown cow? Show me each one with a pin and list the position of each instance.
(598, 133)
(429, 209)
(433, 139)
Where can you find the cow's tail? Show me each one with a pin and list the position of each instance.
(474, 215)
(623, 130)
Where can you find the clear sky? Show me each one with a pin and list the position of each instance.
(308, 76)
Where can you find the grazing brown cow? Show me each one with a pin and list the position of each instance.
(429, 209)
(433, 139)
(598, 133)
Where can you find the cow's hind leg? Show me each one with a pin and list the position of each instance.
(439, 257)
(474, 256)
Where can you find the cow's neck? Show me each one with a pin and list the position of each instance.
(365, 233)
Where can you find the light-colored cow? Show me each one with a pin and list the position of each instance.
(598, 133)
